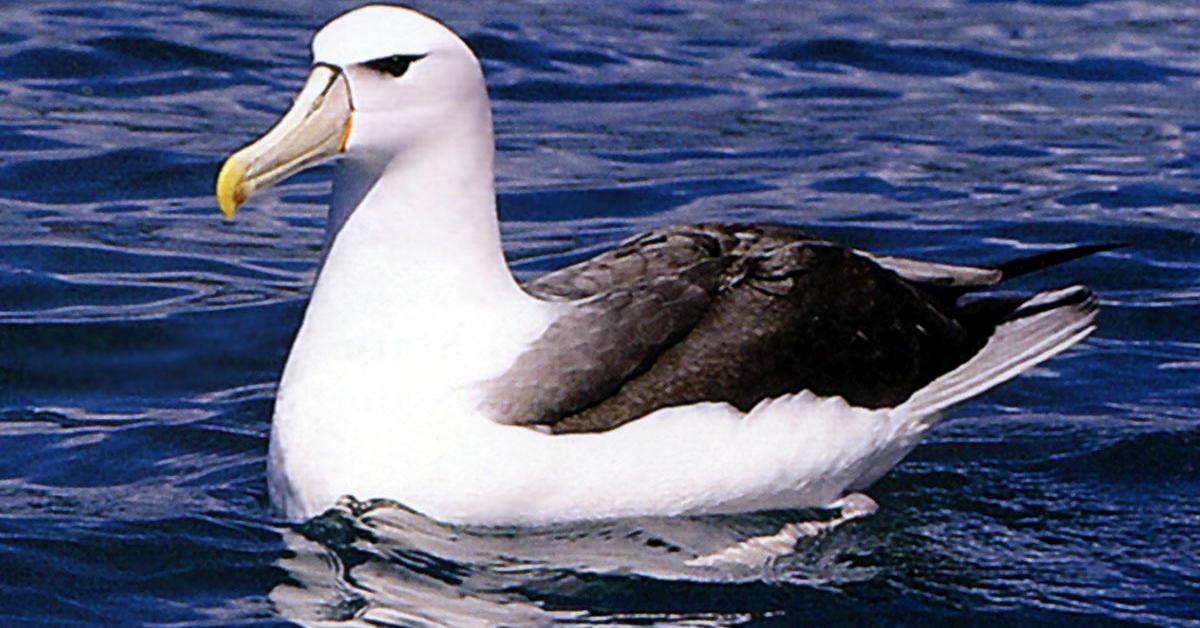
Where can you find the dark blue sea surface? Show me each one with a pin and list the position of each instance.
(141, 335)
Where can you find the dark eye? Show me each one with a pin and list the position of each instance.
(395, 65)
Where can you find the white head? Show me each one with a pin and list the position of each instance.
(388, 83)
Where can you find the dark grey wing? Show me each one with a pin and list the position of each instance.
(602, 342)
(743, 313)
(628, 305)
(804, 316)
(660, 253)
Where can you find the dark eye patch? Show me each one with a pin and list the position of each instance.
(395, 65)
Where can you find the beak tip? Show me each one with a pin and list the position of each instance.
(227, 205)
(231, 187)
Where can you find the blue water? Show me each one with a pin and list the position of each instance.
(141, 336)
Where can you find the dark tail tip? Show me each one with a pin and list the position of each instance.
(983, 314)
(1033, 263)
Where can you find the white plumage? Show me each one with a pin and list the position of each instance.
(415, 308)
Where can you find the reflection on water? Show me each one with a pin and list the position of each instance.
(381, 563)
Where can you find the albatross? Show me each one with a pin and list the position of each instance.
(696, 369)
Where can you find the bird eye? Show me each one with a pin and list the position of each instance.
(395, 65)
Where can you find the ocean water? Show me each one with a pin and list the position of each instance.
(141, 335)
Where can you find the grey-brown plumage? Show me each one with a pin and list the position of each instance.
(738, 314)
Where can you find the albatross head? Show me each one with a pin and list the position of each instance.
(388, 84)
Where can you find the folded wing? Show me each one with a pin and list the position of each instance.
(739, 314)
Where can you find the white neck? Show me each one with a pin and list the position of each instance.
(426, 219)
(416, 274)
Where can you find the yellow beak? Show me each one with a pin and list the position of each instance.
(315, 129)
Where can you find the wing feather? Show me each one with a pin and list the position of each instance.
(737, 314)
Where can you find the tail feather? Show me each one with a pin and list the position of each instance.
(952, 281)
(1034, 263)
(1035, 331)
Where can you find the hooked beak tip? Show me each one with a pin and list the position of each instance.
(231, 186)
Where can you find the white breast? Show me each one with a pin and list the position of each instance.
(385, 362)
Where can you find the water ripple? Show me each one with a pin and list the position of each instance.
(945, 61)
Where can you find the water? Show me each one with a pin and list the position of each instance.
(140, 336)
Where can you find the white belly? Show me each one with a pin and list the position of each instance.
(442, 458)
